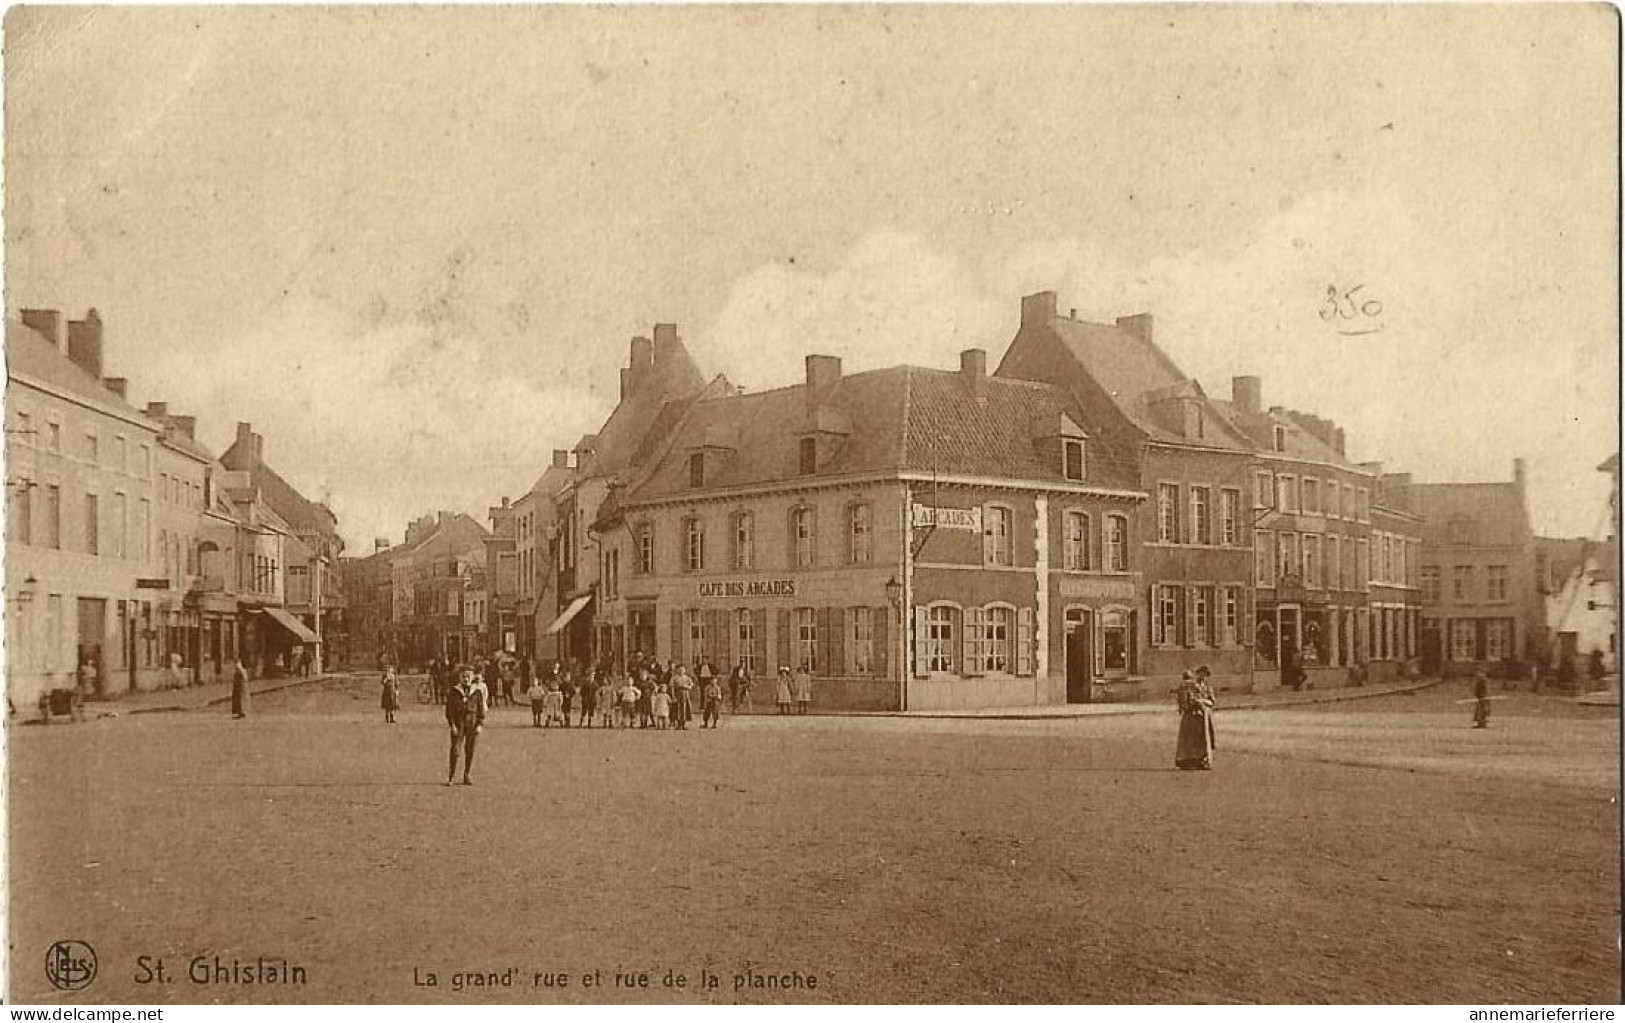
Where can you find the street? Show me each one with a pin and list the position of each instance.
(1373, 851)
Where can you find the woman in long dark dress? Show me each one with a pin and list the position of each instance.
(239, 690)
(1195, 749)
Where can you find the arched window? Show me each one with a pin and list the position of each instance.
(1116, 543)
(860, 534)
(1076, 542)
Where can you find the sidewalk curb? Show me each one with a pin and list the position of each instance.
(1148, 707)
(220, 701)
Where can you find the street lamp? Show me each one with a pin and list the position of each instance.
(894, 592)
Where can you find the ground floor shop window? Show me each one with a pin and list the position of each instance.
(807, 639)
(939, 639)
(1497, 639)
(862, 647)
(745, 637)
(1463, 640)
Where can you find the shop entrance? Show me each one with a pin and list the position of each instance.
(1079, 657)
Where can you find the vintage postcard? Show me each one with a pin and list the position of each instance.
(812, 504)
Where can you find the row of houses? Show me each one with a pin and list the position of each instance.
(1084, 521)
(135, 558)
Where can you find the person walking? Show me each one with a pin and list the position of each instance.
(239, 690)
(465, 717)
(784, 696)
(1481, 699)
(710, 703)
(803, 689)
(391, 699)
(568, 690)
(1194, 750)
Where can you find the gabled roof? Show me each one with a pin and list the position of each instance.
(1495, 511)
(673, 377)
(30, 353)
(1259, 429)
(890, 420)
(1566, 556)
(442, 530)
(301, 513)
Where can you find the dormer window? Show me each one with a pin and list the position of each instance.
(696, 469)
(808, 456)
(1280, 438)
(1072, 459)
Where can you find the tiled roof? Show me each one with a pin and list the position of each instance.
(1259, 429)
(30, 353)
(616, 445)
(897, 419)
(1495, 511)
(552, 480)
(301, 513)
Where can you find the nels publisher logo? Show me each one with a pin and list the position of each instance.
(70, 965)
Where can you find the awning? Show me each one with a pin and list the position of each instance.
(570, 612)
(292, 624)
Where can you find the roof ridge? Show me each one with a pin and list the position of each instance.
(907, 409)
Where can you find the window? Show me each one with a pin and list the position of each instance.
(1430, 585)
(93, 532)
(694, 633)
(1334, 506)
(861, 650)
(1230, 517)
(1495, 584)
(92, 451)
(1165, 616)
(860, 534)
(1334, 554)
(53, 437)
(1347, 572)
(939, 639)
(120, 454)
(1201, 515)
(745, 636)
(1287, 544)
(1497, 639)
(1362, 564)
(744, 531)
(121, 526)
(646, 548)
(693, 544)
(1264, 557)
(807, 639)
(1072, 458)
(1168, 512)
(1364, 505)
(146, 462)
(997, 546)
(995, 640)
(1263, 489)
(1116, 543)
(53, 629)
(1463, 639)
(802, 537)
(1232, 616)
(1461, 582)
(1311, 561)
(1286, 494)
(808, 456)
(696, 469)
(1075, 542)
(612, 573)
(1279, 438)
(1311, 496)
(1201, 616)
(25, 429)
(21, 522)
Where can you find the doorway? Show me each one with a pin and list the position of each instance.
(1079, 657)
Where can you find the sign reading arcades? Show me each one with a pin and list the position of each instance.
(751, 588)
(948, 518)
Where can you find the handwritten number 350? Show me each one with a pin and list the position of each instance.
(1344, 306)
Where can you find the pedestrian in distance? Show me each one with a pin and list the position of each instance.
(465, 718)
(605, 700)
(538, 702)
(631, 696)
(1481, 699)
(739, 687)
(803, 688)
(785, 698)
(239, 690)
(589, 700)
(646, 688)
(567, 690)
(552, 706)
(682, 697)
(1194, 697)
(391, 698)
(710, 703)
(660, 706)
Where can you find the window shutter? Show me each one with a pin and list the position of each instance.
(1024, 641)
(834, 628)
(1191, 639)
(758, 621)
(972, 662)
(722, 638)
(784, 643)
(987, 537)
(678, 647)
(922, 663)
(880, 617)
(1133, 652)
(1153, 618)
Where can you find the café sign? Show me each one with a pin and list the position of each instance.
(749, 588)
(969, 519)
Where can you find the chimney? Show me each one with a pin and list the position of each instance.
(973, 370)
(85, 343)
(823, 373)
(561, 458)
(626, 382)
(1139, 325)
(252, 444)
(1038, 308)
(1073, 314)
(1340, 441)
(186, 425)
(504, 502)
(47, 322)
(666, 346)
(118, 385)
(639, 363)
(1520, 476)
(158, 409)
(1247, 394)
(380, 544)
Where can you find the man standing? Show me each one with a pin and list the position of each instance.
(465, 716)
(1481, 700)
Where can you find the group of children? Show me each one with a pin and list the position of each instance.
(641, 702)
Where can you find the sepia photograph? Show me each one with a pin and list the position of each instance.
(1120, 502)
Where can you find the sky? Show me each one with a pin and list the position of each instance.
(410, 245)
